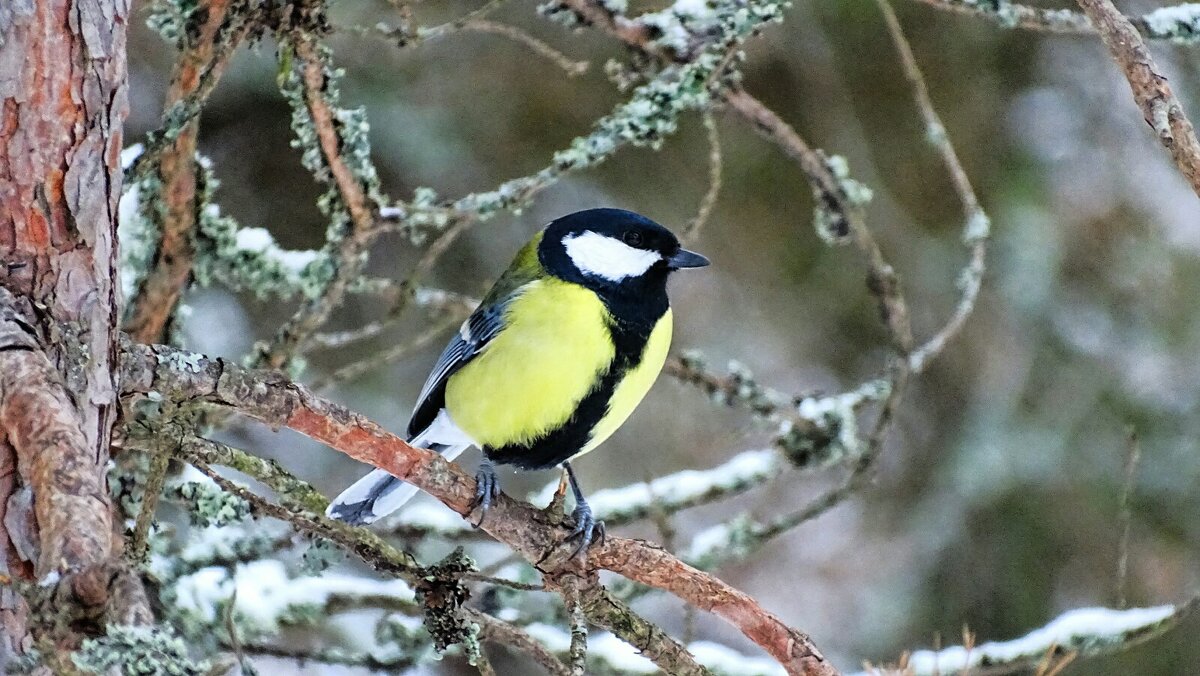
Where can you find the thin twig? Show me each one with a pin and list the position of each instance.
(976, 223)
(513, 637)
(364, 544)
(475, 14)
(692, 230)
(1133, 454)
(503, 582)
(373, 362)
(435, 300)
(159, 462)
(577, 654)
(882, 279)
(570, 66)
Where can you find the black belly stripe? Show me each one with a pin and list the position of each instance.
(560, 444)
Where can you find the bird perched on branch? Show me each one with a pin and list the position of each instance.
(556, 357)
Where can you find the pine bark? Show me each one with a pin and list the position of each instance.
(62, 105)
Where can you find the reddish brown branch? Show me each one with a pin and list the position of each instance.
(200, 61)
(271, 398)
(1160, 107)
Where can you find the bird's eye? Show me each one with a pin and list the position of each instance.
(632, 238)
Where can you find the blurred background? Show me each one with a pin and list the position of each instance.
(996, 504)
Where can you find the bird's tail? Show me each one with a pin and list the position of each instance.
(378, 494)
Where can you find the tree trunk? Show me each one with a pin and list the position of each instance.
(62, 106)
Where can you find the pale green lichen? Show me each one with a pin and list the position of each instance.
(833, 431)
(653, 110)
(560, 13)
(173, 19)
(320, 554)
(249, 259)
(687, 24)
(353, 134)
(209, 505)
(138, 651)
(178, 360)
(829, 219)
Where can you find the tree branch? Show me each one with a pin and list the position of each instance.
(1086, 631)
(1173, 23)
(271, 398)
(195, 73)
(1160, 107)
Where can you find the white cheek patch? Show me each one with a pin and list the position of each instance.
(607, 257)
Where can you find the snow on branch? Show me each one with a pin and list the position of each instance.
(1086, 631)
(265, 596)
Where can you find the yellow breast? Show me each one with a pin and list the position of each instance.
(532, 376)
(633, 388)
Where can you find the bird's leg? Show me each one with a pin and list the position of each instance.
(587, 528)
(486, 488)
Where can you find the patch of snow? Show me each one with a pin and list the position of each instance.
(265, 591)
(1088, 630)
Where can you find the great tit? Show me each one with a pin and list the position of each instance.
(559, 353)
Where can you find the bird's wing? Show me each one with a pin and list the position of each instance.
(480, 328)
(473, 337)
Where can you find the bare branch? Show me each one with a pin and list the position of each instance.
(1153, 94)
(1133, 454)
(513, 637)
(976, 222)
(692, 230)
(571, 67)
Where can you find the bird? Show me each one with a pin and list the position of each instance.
(556, 357)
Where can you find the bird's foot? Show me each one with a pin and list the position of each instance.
(587, 529)
(487, 488)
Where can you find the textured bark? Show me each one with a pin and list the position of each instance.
(62, 105)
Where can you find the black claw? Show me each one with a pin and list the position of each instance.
(487, 488)
(587, 529)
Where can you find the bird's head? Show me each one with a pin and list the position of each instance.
(613, 249)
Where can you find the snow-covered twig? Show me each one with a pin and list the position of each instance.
(1087, 631)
